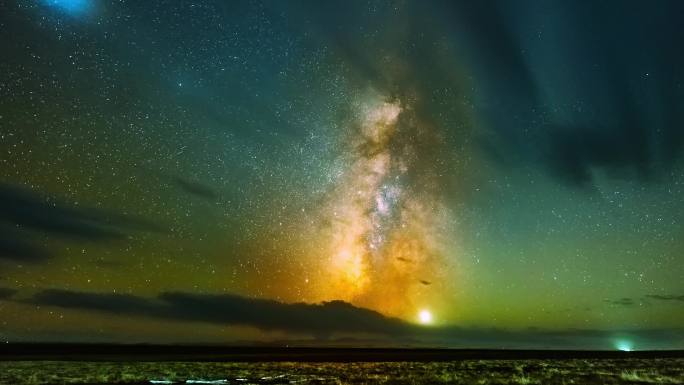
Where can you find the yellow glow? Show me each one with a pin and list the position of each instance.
(381, 235)
(425, 317)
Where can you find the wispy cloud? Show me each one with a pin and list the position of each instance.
(195, 188)
(669, 297)
(616, 131)
(625, 301)
(25, 214)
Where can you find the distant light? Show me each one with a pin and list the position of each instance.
(425, 317)
(72, 7)
(624, 346)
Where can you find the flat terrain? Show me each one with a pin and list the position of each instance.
(528, 371)
(147, 364)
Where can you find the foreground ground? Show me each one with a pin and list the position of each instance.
(570, 371)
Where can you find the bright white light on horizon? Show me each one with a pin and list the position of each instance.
(624, 346)
(425, 317)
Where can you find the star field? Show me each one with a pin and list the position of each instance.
(479, 166)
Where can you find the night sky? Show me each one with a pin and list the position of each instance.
(437, 173)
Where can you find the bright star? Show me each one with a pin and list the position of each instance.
(72, 7)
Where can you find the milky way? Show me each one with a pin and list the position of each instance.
(386, 236)
(478, 164)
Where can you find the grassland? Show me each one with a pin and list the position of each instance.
(571, 371)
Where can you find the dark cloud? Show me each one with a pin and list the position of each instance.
(328, 319)
(14, 247)
(114, 303)
(320, 320)
(195, 188)
(620, 302)
(619, 106)
(192, 187)
(679, 298)
(488, 38)
(6, 293)
(22, 210)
